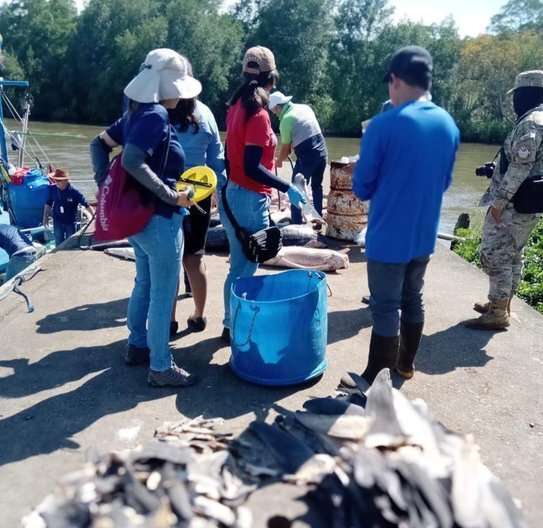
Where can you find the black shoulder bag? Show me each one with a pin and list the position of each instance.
(529, 197)
(257, 247)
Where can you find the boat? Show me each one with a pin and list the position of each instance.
(24, 180)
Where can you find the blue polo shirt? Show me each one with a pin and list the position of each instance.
(64, 203)
(147, 127)
(406, 161)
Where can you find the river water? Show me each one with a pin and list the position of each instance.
(67, 146)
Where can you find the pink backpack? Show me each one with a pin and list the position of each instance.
(120, 212)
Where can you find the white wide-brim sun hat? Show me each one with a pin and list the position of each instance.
(164, 75)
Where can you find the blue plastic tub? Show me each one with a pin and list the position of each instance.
(27, 200)
(279, 327)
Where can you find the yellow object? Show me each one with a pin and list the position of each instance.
(4, 174)
(202, 179)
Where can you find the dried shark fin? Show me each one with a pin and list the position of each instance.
(289, 452)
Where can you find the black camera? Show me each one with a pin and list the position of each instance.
(486, 170)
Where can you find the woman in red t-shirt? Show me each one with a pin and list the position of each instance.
(250, 154)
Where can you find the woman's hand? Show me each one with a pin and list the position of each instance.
(296, 197)
(183, 199)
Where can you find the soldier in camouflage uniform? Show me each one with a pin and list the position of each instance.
(506, 231)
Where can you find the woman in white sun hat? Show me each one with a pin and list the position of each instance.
(153, 156)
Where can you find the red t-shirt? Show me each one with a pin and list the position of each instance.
(257, 131)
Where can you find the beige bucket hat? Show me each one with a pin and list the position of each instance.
(165, 74)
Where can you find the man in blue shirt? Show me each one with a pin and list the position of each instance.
(406, 162)
(62, 204)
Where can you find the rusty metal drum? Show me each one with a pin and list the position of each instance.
(345, 227)
(342, 202)
(346, 216)
(341, 176)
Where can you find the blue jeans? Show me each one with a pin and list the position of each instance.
(18, 263)
(62, 231)
(313, 170)
(251, 211)
(158, 249)
(395, 288)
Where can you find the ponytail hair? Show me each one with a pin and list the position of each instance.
(252, 93)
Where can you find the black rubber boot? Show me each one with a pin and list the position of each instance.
(410, 336)
(174, 328)
(383, 354)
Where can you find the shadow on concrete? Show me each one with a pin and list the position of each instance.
(221, 393)
(87, 317)
(345, 324)
(50, 424)
(455, 347)
(55, 369)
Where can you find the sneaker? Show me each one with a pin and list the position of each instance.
(134, 355)
(198, 324)
(173, 377)
(225, 336)
(174, 328)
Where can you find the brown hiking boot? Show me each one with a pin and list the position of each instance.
(410, 336)
(496, 318)
(483, 308)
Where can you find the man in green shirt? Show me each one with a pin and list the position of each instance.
(301, 132)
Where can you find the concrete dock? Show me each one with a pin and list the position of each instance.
(64, 390)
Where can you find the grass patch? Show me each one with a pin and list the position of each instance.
(531, 286)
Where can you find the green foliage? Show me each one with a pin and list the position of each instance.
(531, 286)
(330, 53)
(469, 247)
(518, 15)
(486, 70)
(37, 33)
(12, 68)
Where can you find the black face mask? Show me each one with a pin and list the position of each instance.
(527, 98)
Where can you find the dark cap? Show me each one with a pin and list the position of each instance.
(413, 65)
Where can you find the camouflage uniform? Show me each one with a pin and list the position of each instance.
(503, 243)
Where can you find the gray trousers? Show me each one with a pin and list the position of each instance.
(396, 294)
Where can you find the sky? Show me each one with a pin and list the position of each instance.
(472, 16)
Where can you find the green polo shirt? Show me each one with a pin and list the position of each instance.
(297, 124)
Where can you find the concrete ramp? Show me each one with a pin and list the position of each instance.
(64, 390)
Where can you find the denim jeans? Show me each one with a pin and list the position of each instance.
(18, 263)
(251, 211)
(158, 249)
(396, 288)
(313, 171)
(62, 231)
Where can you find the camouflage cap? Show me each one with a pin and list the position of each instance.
(528, 78)
(258, 59)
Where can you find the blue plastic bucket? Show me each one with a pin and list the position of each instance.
(279, 327)
(28, 199)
